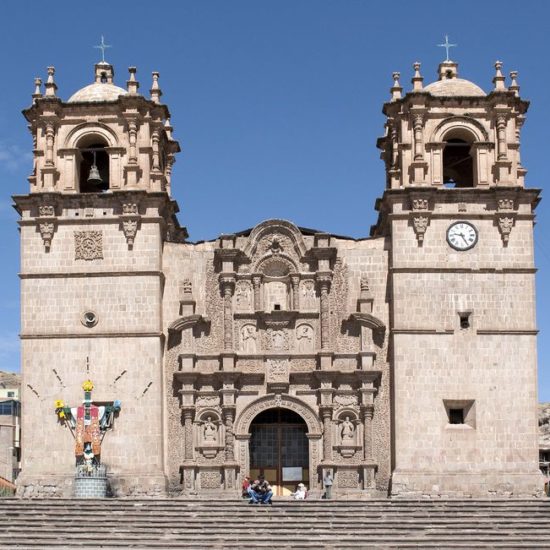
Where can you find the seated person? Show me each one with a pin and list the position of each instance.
(301, 492)
(246, 485)
(260, 491)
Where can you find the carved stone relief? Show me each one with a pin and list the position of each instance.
(277, 370)
(308, 298)
(248, 338)
(243, 296)
(276, 339)
(348, 479)
(305, 338)
(210, 479)
(88, 245)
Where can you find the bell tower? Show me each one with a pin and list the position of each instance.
(459, 223)
(93, 226)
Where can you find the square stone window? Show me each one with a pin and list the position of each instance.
(460, 413)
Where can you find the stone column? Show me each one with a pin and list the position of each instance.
(368, 412)
(501, 137)
(257, 284)
(228, 286)
(188, 413)
(50, 133)
(295, 280)
(326, 414)
(132, 135)
(156, 156)
(324, 280)
(418, 124)
(229, 415)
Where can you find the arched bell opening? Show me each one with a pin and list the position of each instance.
(93, 165)
(458, 163)
(279, 449)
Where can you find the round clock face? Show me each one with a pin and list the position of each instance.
(462, 235)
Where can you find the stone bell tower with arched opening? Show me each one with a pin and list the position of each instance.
(461, 278)
(92, 231)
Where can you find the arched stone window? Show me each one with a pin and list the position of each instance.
(458, 165)
(93, 174)
(460, 153)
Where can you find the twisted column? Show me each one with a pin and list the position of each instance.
(368, 413)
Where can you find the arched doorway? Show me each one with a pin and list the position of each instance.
(279, 449)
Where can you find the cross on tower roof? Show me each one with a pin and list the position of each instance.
(102, 47)
(447, 46)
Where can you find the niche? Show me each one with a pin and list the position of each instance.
(458, 165)
(93, 166)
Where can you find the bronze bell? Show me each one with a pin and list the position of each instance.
(94, 178)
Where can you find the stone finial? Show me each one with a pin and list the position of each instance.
(417, 79)
(168, 129)
(51, 86)
(514, 86)
(37, 89)
(155, 89)
(132, 84)
(499, 78)
(396, 89)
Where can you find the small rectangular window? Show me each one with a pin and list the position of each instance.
(460, 412)
(11, 394)
(277, 307)
(456, 416)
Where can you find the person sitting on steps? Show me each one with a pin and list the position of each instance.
(301, 492)
(260, 491)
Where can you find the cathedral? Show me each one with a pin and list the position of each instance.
(402, 363)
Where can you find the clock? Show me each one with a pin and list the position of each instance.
(462, 235)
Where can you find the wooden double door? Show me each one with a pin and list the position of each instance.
(279, 449)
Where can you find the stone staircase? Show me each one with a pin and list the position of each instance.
(177, 523)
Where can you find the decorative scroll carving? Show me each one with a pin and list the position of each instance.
(210, 479)
(348, 479)
(130, 208)
(88, 245)
(46, 210)
(346, 400)
(305, 338)
(505, 204)
(214, 311)
(207, 401)
(129, 228)
(277, 370)
(420, 204)
(242, 425)
(187, 286)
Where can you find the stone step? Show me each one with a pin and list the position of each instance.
(189, 524)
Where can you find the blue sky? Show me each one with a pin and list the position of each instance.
(277, 104)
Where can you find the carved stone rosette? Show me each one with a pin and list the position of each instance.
(88, 245)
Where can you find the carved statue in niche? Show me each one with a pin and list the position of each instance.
(209, 431)
(304, 338)
(308, 299)
(248, 338)
(347, 432)
(242, 296)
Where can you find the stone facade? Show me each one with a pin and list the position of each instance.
(410, 360)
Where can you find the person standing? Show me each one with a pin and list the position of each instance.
(327, 482)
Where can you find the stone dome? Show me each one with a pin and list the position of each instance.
(454, 87)
(97, 92)
(102, 89)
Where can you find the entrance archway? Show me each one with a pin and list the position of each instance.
(279, 449)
